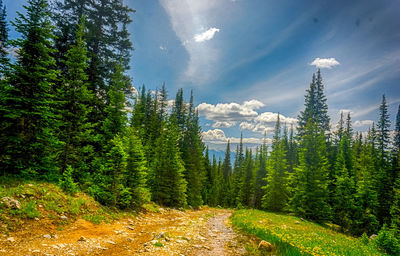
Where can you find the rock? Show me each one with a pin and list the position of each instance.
(47, 236)
(36, 219)
(373, 236)
(11, 239)
(11, 203)
(265, 245)
(297, 222)
(82, 239)
(154, 241)
(160, 235)
(63, 217)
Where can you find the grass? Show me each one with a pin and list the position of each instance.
(293, 236)
(46, 200)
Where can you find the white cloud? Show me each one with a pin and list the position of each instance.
(325, 62)
(206, 35)
(229, 112)
(217, 140)
(188, 18)
(163, 48)
(226, 115)
(224, 124)
(269, 117)
(360, 123)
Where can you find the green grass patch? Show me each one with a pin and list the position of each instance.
(293, 236)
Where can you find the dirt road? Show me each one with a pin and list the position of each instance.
(170, 232)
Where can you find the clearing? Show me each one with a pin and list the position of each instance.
(168, 232)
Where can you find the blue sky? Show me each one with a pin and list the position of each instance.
(246, 60)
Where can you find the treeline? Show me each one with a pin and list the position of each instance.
(69, 113)
(346, 177)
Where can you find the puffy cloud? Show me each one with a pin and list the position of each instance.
(360, 123)
(269, 117)
(226, 115)
(163, 48)
(225, 112)
(206, 35)
(224, 124)
(265, 122)
(217, 136)
(324, 62)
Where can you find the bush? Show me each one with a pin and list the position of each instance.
(365, 239)
(67, 182)
(387, 241)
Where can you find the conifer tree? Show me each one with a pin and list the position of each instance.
(310, 194)
(365, 218)
(30, 136)
(76, 132)
(3, 39)
(136, 170)
(261, 174)
(397, 132)
(276, 194)
(344, 204)
(385, 176)
(168, 183)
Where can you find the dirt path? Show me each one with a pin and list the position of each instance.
(170, 232)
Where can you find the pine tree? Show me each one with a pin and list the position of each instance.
(107, 36)
(3, 39)
(31, 141)
(397, 132)
(310, 194)
(321, 107)
(365, 217)
(261, 174)
(386, 178)
(276, 194)
(76, 133)
(136, 170)
(395, 208)
(168, 183)
(344, 204)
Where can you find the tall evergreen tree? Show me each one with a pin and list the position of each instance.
(168, 183)
(365, 217)
(310, 194)
(76, 133)
(3, 39)
(31, 141)
(386, 177)
(136, 170)
(276, 194)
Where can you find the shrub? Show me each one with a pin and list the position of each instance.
(67, 181)
(387, 241)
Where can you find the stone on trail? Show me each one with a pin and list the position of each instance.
(265, 245)
(160, 235)
(47, 236)
(11, 203)
(63, 217)
(82, 239)
(11, 239)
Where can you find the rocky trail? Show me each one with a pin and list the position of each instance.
(170, 232)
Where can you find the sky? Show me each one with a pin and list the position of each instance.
(247, 60)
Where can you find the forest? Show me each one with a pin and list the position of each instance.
(70, 115)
